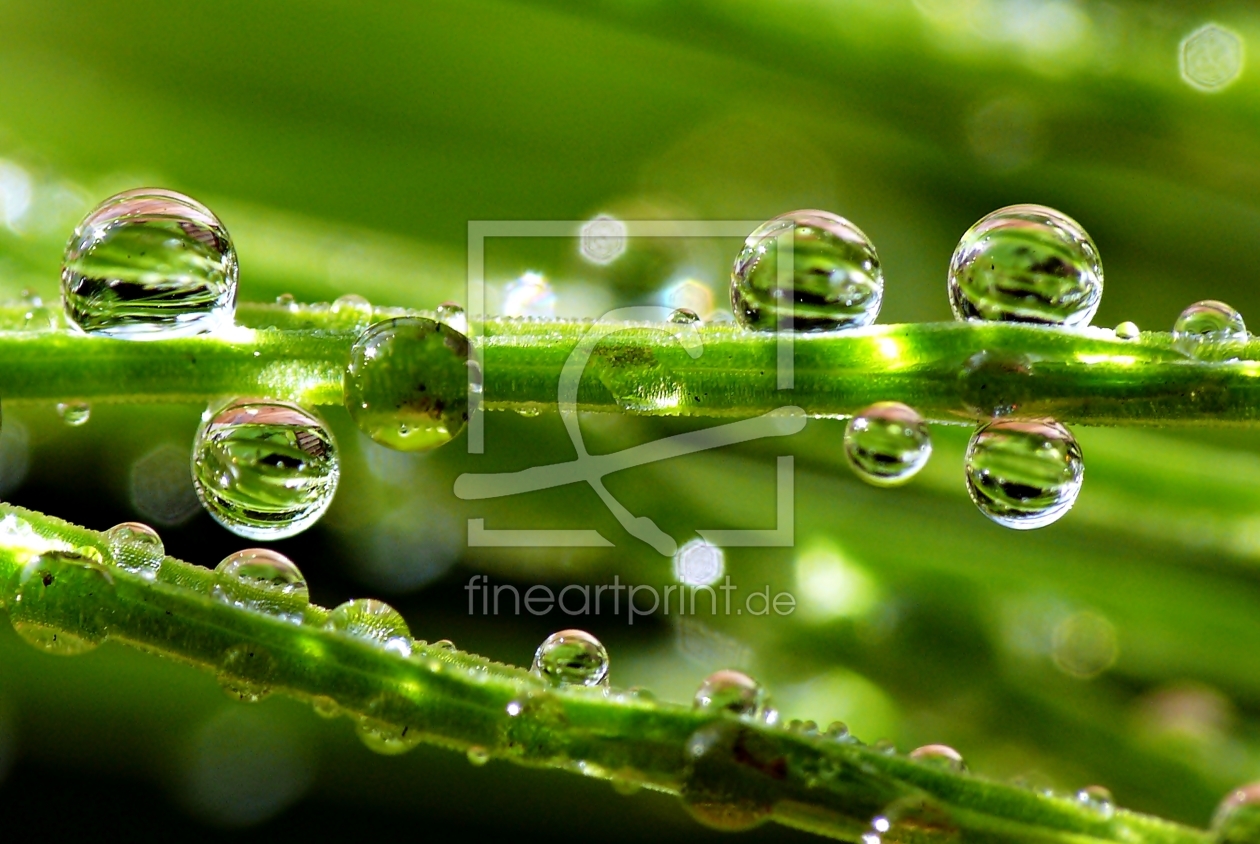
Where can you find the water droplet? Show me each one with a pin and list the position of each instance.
(684, 316)
(1237, 819)
(245, 672)
(50, 588)
(325, 707)
(407, 383)
(1026, 263)
(602, 240)
(836, 279)
(262, 580)
(149, 263)
(939, 755)
(74, 413)
(39, 319)
(478, 755)
(136, 548)
(724, 786)
(264, 469)
(444, 645)
(374, 621)
(1098, 800)
(386, 739)
(354, 304)
(572, 658)
(732, 691)
(1024, 474)
(1206, 324)
(887, 443)
(452, 314)
(1128, 331)
(838, 730)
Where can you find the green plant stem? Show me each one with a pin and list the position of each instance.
(951, 372)
(751, 772)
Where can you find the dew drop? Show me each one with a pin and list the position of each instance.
(374, 621)
(245, 672)
(407, 383)
(939, 755)
(1026, 263)
(887, 443)
(724, 785)
(1098, 800)
(265, 469)
(136, 547)
(452, 314)
(838, 730)
(147, 264)
(684, 316)
(732, 691)
(262, 580)
(325, 707)
(50, 588)
(1237, 819)
(1128, 331)
(354, 304)
(1024, 474)
(836, 279)
(478, 755)
(1206, 324)
(386, 739)
(74, 413)
(572, 658)
(287, 300)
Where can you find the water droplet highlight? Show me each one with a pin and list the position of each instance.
(939, 755)
(136, 547)
(264, 469)
(262, 580)
(887, 443)
(373, 621)
(836, 279)
(452, 314)
(572, 658)
(74, 413)
(407, 383)
(148, 264)
(50, 587)
(1128, 331)
(1098, 800)
(1205, 325)
(1024, 474)
(1026, 263)
(732, 691)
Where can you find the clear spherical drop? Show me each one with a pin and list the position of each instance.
(386, 739)
(1024, 474)
(887, 443)
(149, 264)
(1098, 800)
(262, 580)
(1026, 263)
(452, 314)
(1128, 331)
(940, 755)
(50, 588)
(407, 383)
(373, 621)
(835, 282)
(732, 691)
(265, 469)
(684, 316)
(245, 672)
(353, 304)
(74, 413)
(1205, 324)
(572, 658)
(478, 756)
(136, 547)
(1237, 819)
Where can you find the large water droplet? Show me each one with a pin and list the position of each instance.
(732, 691)
(136, 547)
(1026, 263)
(264, 469)
(1098, 800)
(1206, 324)
(572, 658)
(836, 280)
(147, 264)
(51, 587)
(1024, 474)
(374, 621)
(74, 413)
(262, 580)
(407, 383)
(1237, 819)
(887, 443)
(939, 755)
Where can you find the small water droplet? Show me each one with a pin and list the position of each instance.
(407, 383)
(1026, 263)
(838, 730)
(452, 314)
(684, 316)
(325, 707)
(265, 469)
(836, 279)
(626, 786)
(352, 303)
(478, 755)
(572, 658)
(49, 589)
(1237, 819)
(887, 443)
(529, 412)
(444, 645)
(287, 300)
(74, 413)
(245, 671)
(724, 783)
(732, 691)
(1098, 800)
(39, 318)
(262, 580)
(1128, 331)
(374, 621)
(1205, 325)
(136, 547)
(1024, 474)
(386, 739)
(939, 755)
(149, 263)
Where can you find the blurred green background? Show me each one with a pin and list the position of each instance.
(346, 147)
